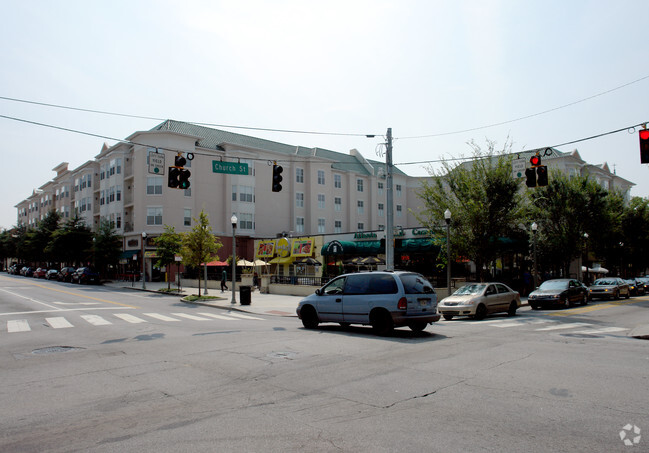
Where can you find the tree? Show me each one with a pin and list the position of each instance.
(40, 237)
(168, 245)
(200, 245)
(72, 243)
(635, 235)
(107, 247)
(484, 200)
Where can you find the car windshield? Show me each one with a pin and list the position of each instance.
(605, 282)
(470, 289)
(554, 284)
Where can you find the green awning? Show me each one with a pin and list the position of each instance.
(418, 245)
(128, 254)
(360, 248)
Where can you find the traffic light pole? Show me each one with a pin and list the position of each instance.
(389, 228)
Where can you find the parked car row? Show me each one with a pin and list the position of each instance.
(70, 274)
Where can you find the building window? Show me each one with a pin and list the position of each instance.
(359, 185)
(118, 165)
(299, 200)
(321, 177)
(338, 181)
(246, 194)
(111, 194)
(381, 227)
(381, 210)
(299, 224)
(246, 221)
(118, 193)
(361, 226)
(338, 226)
(361, 207)
(321, 225)
(102, 198)
(398, 210)
(234, 192)
(321, 201)
(188, 192)
(154, 215)
(154, 185)
(338, 204)
(380, 188)
(398, 189)
(299, 175)
(187, 218)
(118, 222)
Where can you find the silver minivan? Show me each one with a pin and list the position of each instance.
(384, 300)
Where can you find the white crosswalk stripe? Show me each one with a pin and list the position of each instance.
(162, 317)
(96, 320)
(224, 318)
(18, 325)
(130, 318)
(551, 325)
(58, 323)
(193, 317)
(563, 326)
(238, 315)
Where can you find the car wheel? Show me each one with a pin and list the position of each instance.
(480, 312)
(309, 317)
(417, 326)
(616, 296)
(448, 317)
(566, 303)
(382, 323)
(512, 308)
(628, 294)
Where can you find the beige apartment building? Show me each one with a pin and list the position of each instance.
(323, 192)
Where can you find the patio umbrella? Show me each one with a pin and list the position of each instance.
(308, 261)
(245, 263)
(372, 260)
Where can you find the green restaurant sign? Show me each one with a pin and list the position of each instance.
(232, 168)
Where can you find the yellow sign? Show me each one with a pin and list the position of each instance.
(283, 247)
(302, 247)
(265, 249)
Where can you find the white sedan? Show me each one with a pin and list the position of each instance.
(480, 299)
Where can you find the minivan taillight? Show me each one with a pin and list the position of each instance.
(402, 304)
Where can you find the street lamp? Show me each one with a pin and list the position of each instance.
(534, 228)
(586, 280)
(447, 219)
(233, 220)
(143, 261)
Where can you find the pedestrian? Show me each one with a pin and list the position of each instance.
(255, 280)
(224, 278)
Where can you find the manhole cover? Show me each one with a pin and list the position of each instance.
(52, 349)
(581, 335)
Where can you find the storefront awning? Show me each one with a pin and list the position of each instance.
(128, 254)
(363, 248)
(416, 245)
(285, 260)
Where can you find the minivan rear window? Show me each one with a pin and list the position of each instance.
(416, 284)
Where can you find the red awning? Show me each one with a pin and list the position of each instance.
(216, 263)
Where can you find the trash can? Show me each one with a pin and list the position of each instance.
(244, 295)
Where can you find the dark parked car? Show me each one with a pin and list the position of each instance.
(14, 269)
(645, 282)
(85, 275)
(609, 288)
(40, 272)
(65, 275)
(562, 292)
(27, 271)
(636, 288)
(52, 274)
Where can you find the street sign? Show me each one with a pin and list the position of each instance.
(157, 163)
(232, 168)
(518, 168)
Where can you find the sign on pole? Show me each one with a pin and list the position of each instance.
(157, 163)
(233, 168)
(518, 168)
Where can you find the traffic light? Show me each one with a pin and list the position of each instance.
(178, 176)
(542, 176)
(277, 177)
(535, 161)
(530, 175)
(644, 146)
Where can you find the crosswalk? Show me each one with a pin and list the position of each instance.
(542, 325)
(60, 322)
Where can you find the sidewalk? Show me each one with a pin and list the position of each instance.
(267, 304)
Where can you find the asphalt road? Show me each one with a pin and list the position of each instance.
(104, 370)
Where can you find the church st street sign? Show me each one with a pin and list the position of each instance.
(232, 168)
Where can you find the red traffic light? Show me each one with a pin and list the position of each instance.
(644, 134)
(535, 161)
(644, 146)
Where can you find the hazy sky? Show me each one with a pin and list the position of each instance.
(357, 67)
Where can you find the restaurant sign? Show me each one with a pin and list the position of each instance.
(265, 249)
(302, 247)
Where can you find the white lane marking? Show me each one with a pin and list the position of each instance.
(224, 318)
(161, 317)
(18, 325)
(237, 315)
(61, 310)
(129, 318)
(195, 318)
(603, 330)
(76, 303)
(96, 320)
(521, 322)
(58, 323)
(27, 298)
(569, 325)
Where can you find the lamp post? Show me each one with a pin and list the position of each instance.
(586, 280)
(447, 219)
(534, 228)
(233, 220)
(143, 262)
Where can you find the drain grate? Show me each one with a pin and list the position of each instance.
(53, 349)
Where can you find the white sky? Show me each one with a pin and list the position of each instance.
(354, 66)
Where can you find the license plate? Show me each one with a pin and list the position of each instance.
(424, 302)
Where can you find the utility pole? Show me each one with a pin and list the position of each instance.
(389, 228)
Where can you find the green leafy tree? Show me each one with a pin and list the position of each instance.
(635, 235)
(72, 242)
(168, 245)
(40, 237)
(106, 247)
(484, 200)
(200, 245)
